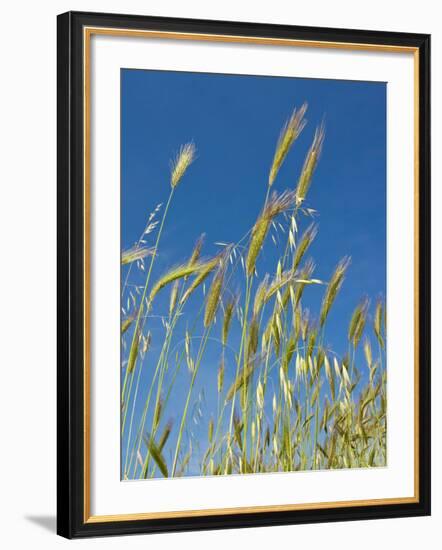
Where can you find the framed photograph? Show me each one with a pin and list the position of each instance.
(243, 274)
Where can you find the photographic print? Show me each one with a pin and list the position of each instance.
(253, 274)
(243, 334)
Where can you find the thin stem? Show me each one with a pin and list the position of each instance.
(186, 406)
(146, 285)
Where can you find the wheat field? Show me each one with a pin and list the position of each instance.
(282, 398)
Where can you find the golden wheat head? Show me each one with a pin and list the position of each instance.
(135, 253)
(181, 163)
(333, 288)
(290, 131)
(213, 296)
(173, 275)
(303, 245)
(311, 160)
(274, 206)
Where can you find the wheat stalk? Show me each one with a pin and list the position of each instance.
(181, 163)
(333, 288)
(290, 131)
(213, 296)
(228, 314)
(172, 275)
(310, 163)
(134, 254)
(276, 205)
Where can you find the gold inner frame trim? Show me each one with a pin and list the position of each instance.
(87, 34)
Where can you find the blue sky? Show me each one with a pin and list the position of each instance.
(234, 122)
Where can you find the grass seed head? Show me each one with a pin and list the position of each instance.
(310, 163)
(197, 249)
(297, 322)
(275, 286)
(305, 274)
(181, 163)
(253, 339)
(359, 329)
(210, 431)
(368, 353)
(147, 340)
(220, 377)
(157, 413)
(165, 435)
(133, 354)
(228, 314)
(303, 245)
(173, 275)
(213, 296)
(206, 269)
(134, 254)
(126, 323)
(357, 322)
(377, 324)
(173, 297)
(290, 131)
(333, 288)
(260, 295)
(274, 206)
(305, 324)
(243, 376)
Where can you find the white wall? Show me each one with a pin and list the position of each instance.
(27, 289)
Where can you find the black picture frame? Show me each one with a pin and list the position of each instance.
(71, 517)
